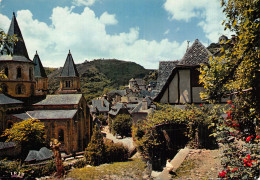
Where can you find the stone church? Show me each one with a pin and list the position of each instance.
(24, 94)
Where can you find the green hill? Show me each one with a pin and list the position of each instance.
(102, 75)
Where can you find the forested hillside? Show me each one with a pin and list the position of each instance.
(102, 75)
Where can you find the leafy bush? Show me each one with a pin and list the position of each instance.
(193, 121)
(116, 152)
(241, 155)
(8, 169)
(29, 133)
(103, 119)
(122, 125)
(95, 152)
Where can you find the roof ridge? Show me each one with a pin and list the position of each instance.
(196, 54)
(18, 48)
(39, 70)
(69, 69)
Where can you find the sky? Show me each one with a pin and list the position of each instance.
(141, 31)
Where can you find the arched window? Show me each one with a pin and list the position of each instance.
(19, 73)
(30, 74)
(20, 89)
(67, 84)
(6, 71)
(4, 88)
(61, 135)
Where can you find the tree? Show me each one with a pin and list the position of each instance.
(122, 124)
(95, 152)
(28, 133)
(6, 41)
(235, 70)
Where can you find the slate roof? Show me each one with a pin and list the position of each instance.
(47, 114)
(137, 108)
(69, 69)
(7, 100)
(119, 92)
(116, 108)
(196, 54)
(97, 103)
(18, 50)
(43, 154)
(165, 69)
(5, 145)
(146, 93)
(60, 99)
(38, 68)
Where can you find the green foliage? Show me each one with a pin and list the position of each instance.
(192, 120)
(120, 72)
(102, 118)
(116, 152)
(234, 71)
(95, 152)
(132, 169)
(6, 41)
(9, 168)
(30, 134)
(99, 152)
(152, 76)
(49, 70)
(241, 155)
(101, 76)
(122, 124)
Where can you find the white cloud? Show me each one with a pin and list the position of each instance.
(85, 35)
(166, 32)
(83, 2)
(209, 14)
(106, 18)
(4, 23)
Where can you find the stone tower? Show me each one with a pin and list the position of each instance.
(69, 77)
(17, 66)
(40, 76)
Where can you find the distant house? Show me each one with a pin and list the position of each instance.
(142, 110)
(118, 108)
(100, 106)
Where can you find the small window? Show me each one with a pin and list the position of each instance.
(195, 78)
(20, 89)
(67, 84)
(6, 71)
(19, 73)
(61, 135)
(30, 74)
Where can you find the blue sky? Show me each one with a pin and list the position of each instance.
(143, 31)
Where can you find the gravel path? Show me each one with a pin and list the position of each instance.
(207, 165)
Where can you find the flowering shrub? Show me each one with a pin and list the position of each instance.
(241, 154)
